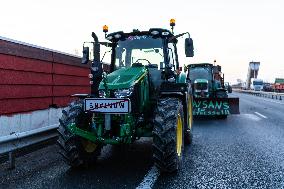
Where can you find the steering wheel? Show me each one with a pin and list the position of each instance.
(142, 59)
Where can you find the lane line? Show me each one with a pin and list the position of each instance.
(263, 116)
(251, 116)
(149, 179)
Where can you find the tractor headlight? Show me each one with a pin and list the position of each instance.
(123, 93)
(102, 94)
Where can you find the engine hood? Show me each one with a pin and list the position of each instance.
(123, 78)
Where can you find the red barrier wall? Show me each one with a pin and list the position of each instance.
(33, 78)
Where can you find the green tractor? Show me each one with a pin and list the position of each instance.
(144, 94)
(209, 91)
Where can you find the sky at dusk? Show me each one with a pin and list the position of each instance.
(232, 32)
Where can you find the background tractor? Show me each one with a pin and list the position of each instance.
(209, 91)
(144, 94)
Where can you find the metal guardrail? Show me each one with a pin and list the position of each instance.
(9, 144)
(273, 95)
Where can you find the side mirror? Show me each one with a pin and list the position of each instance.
(189, 49)
(86, 53)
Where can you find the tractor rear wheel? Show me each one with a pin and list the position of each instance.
(168, 135)
(76, 151)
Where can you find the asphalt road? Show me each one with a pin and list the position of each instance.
(243, 151)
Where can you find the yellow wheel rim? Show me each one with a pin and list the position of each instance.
(179, 135)
(89, 146)
(190, 120)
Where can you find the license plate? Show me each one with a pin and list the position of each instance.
(107, 105)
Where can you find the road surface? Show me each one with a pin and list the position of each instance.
(243, 151)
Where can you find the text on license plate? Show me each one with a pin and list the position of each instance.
(107, 105)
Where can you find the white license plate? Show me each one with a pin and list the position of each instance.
(108, 105)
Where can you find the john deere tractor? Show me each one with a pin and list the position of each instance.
(209, 91)
(143, 93)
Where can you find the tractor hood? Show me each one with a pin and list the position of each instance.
(123, 78)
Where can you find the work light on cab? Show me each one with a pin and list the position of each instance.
(172, 24)
(105, 29)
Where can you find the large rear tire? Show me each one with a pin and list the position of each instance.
(76, 151)
(168, 135)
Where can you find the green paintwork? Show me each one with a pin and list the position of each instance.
(120, 79)
(144, 91)
(91, 136)
(96, 135)
(123, 78)
(181, 78)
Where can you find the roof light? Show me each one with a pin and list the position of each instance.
(172, 22)
(105, 28)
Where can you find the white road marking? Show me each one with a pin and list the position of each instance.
(149, 179)
(261, 115)
(251, 116)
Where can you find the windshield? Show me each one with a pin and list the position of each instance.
(139, 49)
(200, 73)
(257, 83)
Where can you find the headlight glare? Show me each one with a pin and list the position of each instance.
(123, 93)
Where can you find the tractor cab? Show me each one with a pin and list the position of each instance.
(134, 54)
(138, 53)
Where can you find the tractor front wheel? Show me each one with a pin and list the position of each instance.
(76, 151)
(168, 134)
